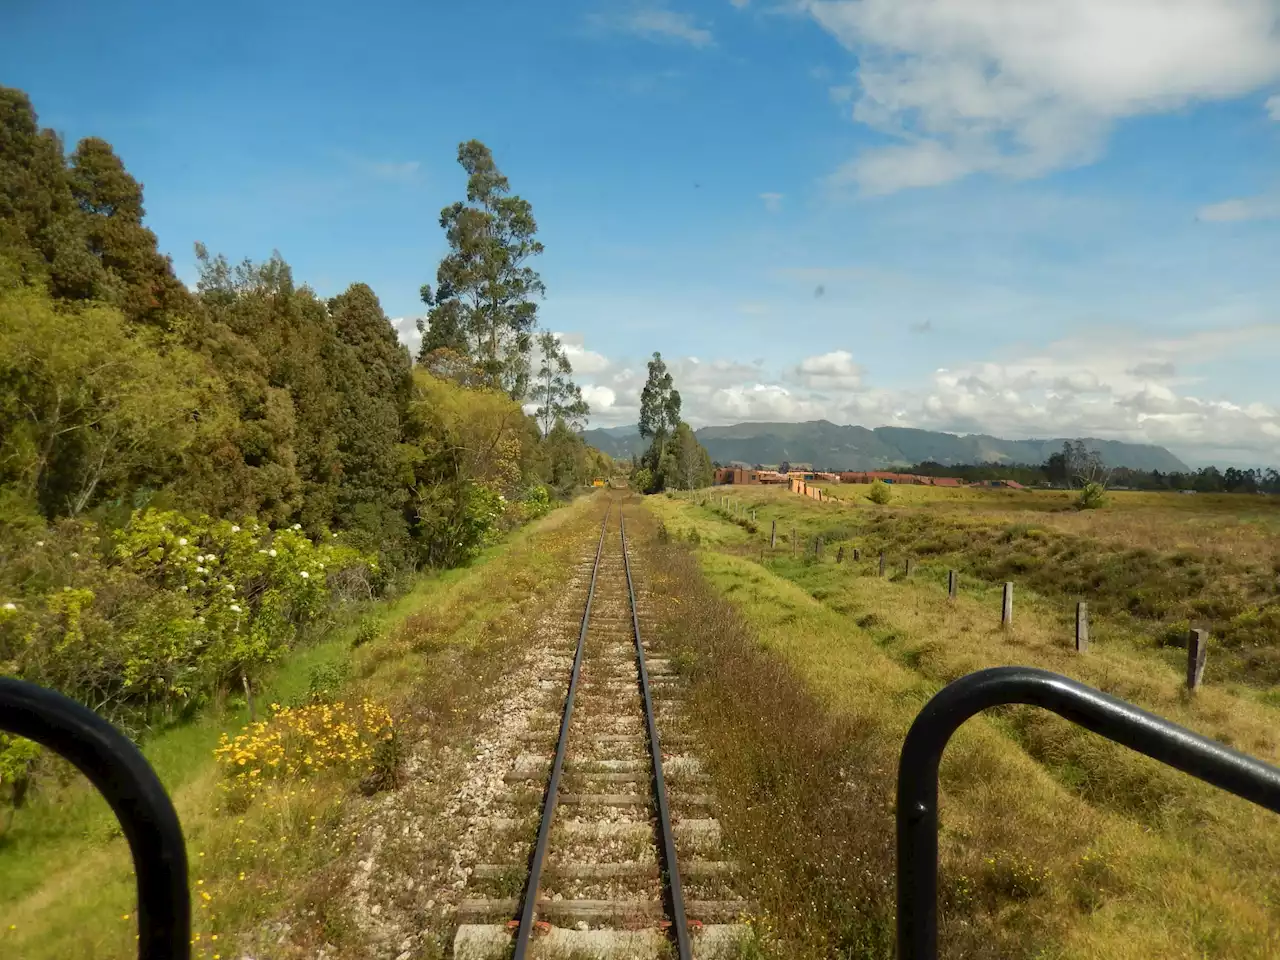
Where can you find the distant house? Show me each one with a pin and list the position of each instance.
(998, 484)
(946, 482)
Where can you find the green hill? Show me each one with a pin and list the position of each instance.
(825, 445)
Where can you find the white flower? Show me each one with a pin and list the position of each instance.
(199, 569)
(231, 587)
(199, 619)
(39, 543)
(321, 566)
(235, 608)
(335, 536)
(304, 575)
(74, 555)
(234, 528)
(297, 526)
(182, 541)
(263, 552)
(199, 558)
(183, 588)
(11, 606)
(271, 552)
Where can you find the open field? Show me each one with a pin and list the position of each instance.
(1151, 565)
(1055, 843)
(274, 873)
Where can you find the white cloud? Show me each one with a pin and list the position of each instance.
(1244, 208)
(653, 22)
(407, 331)
(1273, 106)
(772, 201)
(740, 4)
(1023, 88)
(1114, 386)
(754, 309)
(582, 360)
(600, 399)
(830, 371)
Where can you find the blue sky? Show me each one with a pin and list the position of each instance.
(1059, 218)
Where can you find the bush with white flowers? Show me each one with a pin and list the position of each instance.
(165, 612)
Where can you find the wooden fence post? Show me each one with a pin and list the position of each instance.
(817, 548)
(857, 553)
(882, 563)
(1197, 650)
(908, 567)
(953, 584)
(1082, 626)
(1006, 607)
(794, 543)
(773, 535)
(840, 554)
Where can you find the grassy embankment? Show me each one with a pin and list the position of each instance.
(1055, 843)
(270, 872)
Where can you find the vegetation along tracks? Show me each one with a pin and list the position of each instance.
(624, 831)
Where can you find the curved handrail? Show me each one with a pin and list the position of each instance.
(117, 768)
(1092, 709)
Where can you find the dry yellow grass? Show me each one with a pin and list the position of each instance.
(1094, 851)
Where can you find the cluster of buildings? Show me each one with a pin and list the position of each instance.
(747, 475)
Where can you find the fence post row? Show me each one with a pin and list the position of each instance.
(840, 554)
(908, 567)
(773, 535)
(953, 584)
(1006, 607)
(1082, 626)
(857, 553)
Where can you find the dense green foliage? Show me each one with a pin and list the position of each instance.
(178, 467)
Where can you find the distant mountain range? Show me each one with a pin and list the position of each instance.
(828, 446)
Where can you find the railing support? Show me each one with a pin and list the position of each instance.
(120, 773)
(1092, 709)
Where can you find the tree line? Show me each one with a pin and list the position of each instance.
(151, 433)
(1074, 465)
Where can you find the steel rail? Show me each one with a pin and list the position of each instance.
(671, 870)
(528, 909)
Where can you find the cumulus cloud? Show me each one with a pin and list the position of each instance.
(829, 371)
(1021, 89)
(653, 22)
(407, 331)
(582, 360)
(1122, 386)
(1245, 208)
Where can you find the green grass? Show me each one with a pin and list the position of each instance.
(1131, 858)
(66, 886)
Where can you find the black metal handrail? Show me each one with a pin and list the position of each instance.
(1113, 718)
(122, 775)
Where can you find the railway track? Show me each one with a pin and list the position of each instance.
(624, 863)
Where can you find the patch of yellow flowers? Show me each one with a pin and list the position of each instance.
(300, 741)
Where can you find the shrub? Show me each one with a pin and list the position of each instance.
(366, 632)
(1092, 496)
(163, 612)
(879, 492)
